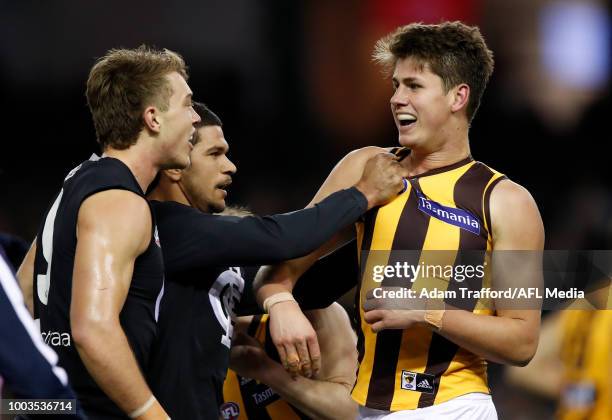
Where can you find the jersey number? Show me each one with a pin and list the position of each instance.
(43, 281)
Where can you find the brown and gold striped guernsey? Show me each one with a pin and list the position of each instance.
(245, 398)
(393, 361)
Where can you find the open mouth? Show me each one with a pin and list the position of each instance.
(406, 119)
(223, 186)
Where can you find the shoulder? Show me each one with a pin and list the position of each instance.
(117, 220)
(515, 217)
(118, 207)
(507, 193)
(360, 156)
(347, 172)
(96, 176)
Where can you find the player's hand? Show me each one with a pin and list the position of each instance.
(248, 358)
(393, 313)
(295, 339)
(393, 319)
(382, 179)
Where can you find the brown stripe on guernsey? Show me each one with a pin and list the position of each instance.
(487, 200)
(366, 243)
(381, 242)
(252, 329)
(441, 236)
(410, 232)
(468, 193)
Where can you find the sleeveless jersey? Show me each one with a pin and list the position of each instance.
(586, 354)
(444, 209)
(53, 267)
(247, 399)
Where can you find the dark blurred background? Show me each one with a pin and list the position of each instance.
(296, 89)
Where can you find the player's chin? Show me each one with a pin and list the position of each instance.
(182, 162)
(177, 162)
(217, 206)
(406, 140)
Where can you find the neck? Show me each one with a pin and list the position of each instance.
(169, 190)
(139, 160)
(422, 159)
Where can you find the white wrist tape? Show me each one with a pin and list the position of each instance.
(277, 298)
(143, 408)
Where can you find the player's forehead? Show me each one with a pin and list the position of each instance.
(180, 88)
(411, 68)
(211, 136)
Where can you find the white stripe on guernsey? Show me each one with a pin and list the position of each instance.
(159, 298)
(8, 283)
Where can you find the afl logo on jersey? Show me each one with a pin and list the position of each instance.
(229, 411)
(156, 237)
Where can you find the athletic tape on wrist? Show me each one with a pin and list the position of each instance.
(277, 298)
(143, 408)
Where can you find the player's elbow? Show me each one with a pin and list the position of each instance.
(340, 406)
(88, 334)
(342, 411)
(348, 410)
(523, 352)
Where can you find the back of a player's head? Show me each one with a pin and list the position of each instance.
(454, 51)
(207, 118)
(122, 84)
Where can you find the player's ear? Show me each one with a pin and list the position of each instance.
(460, 97)
(152, 119)
(174, 175)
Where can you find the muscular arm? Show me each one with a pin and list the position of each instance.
(510, 337)
(25, 275)
(113, 229)
(292, 334)
(327, 396)
(282, 277)
(193, 239)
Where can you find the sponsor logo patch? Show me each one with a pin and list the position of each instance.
(229, 411)
(56, 339)
(453, 216)
(419, 382)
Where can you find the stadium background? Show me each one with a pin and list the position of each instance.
(295, 87)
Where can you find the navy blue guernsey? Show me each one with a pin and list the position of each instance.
(53, 267)
(202, 256)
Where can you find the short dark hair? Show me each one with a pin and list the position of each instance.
(206, 115)
(122, 84)
(207, 118)
(454, 51)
